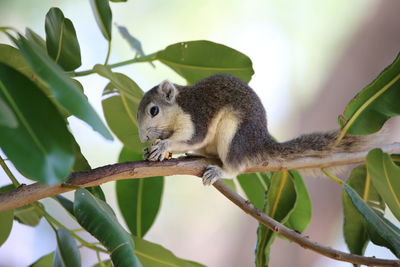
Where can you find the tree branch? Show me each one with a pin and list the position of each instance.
(296, 237)
(27, 194)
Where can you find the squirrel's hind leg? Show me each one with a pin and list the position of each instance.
(214, 172)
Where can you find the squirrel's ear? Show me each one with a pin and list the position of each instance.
(167, 90)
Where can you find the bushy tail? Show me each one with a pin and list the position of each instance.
(323, 144)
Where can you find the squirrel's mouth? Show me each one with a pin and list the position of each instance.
(165, 135)
(153, 135)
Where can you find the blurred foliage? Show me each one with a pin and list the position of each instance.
(38, 93)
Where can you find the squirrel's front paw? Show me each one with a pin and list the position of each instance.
(212, 174)
(157, 152)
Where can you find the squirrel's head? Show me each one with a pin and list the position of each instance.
(156, 112)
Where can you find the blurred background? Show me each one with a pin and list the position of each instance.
(310, 58)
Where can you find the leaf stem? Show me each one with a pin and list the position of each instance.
(148, 58)
(108, 52)
(331, 176)
(99, 259)
(299, 238)
(9, 173)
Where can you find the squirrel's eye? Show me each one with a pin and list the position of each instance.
(154, 111)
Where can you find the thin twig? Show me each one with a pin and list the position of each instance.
(296, 237)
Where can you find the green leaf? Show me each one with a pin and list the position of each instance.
(35, 38)
(7, 116)
(6, 220)
(355, 228)
(120, 102)
(197, 60)
(151, 254)
(103, 15)
(67, 253)
(81, 163)
(385, 230)
(61, 41)
(62, 88)
(41, 131)
(377, 239)
(118, 1)
(375, 104)
(255, 186)
(280, 202)
(44, 261)
(28, 215)
(139, 199)
(300, 216)
(98, 219)
(12, 57)
(385, 176)
(6, 223)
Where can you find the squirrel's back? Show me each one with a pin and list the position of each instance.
(206, 98)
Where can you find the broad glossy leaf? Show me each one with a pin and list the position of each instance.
(28, 215)
(7, 116)
(197, 60)
(6, 222)
(41, 131)
(377, 239)
(355, 228)
(98, 219)
(255, 186)
(10, 56)
(120, 102)
(280, 202)
(62, 88)
(67, 253)
(385, 176)
(385, 230)
(300, 216)
(151, 254)
(103, 15)
(61, 41)
(6, 218)
(375, 104)
(35, 38)
(44, 261)
(139, 199)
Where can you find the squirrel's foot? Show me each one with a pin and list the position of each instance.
(157, 152)
(212, 174)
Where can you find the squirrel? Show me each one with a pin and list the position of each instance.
(221, 116)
